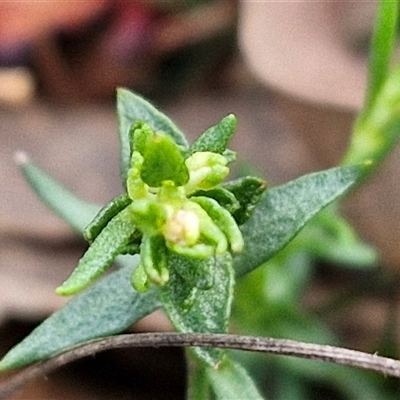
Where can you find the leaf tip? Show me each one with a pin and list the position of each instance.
(66, 290)
(21, 158)
(8, 363)
(232, 121)
(120, 90)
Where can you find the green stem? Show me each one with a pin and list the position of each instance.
(376, 132)
(198, 384)
(377, 127)
(382, 45)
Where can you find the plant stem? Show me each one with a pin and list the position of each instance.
(372, 362)
(198, 385)
(382, 45)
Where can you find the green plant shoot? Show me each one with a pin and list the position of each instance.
(161, 212)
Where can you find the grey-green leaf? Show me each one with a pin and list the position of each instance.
(224, 197)
(106, 308)
(247, 190)
(75, 211)
(216, 138)
(110, 242)
(284, 210)
(230, 381)
(196, 310)
(195, 272)
(104, 216)
(330, 237)
(132, 108)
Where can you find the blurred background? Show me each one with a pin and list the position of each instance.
(294, 73)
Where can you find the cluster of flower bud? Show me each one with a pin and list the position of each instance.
(162, 185)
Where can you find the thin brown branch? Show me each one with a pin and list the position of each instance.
(386, 366)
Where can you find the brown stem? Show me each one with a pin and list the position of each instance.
(372, 362)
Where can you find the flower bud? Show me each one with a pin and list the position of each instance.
(182, 228)
(206, 169)
(148, 215)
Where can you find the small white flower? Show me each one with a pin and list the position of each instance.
(182, 228)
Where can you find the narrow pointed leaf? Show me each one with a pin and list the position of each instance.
(284, 210)
(247, 191)
(216, 138)
(230, 155)
(111, 242)
(195, 310)
(75, 211)
(104, 216)
(330, 237)
(224, 220)
(230, 381)
(223, 196)
(108, 307)
(132, 108)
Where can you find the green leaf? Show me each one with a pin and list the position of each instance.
(230, 381)
(108, 307)
(132, 108)
(354, 254)
(247, 191)
(154, 258)
(195, 272)
(111, 242)
(216, 138)
(330, 237)
(223, 196)
(224, 221)
(163, 161)
(75, 211)
(195, 310)
(103, 217)
(198, 382)
(284, 210)
(229, 155)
